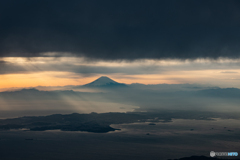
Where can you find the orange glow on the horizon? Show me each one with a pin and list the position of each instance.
(50, 71)
(41, 79)
(68, 78)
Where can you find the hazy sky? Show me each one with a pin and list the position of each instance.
(51, 43)
(47, 71)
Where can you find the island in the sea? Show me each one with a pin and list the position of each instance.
(98, 122)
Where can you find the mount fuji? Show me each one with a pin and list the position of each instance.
(104, 82)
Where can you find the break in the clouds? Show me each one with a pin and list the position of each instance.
(121, 29)
(16, 65)
(52, 71)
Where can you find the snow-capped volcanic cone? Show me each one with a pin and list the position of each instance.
(105, 82)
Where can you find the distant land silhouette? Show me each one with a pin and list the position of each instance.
(99, 123)
(107, 95)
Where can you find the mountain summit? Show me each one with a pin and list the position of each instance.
(104, 82)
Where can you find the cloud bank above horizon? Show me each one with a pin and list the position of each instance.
(121, 29)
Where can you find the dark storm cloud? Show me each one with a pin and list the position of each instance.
(121, 29)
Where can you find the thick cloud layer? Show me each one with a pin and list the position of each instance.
(121, 29)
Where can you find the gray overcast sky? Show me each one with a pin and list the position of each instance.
(121, 29)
